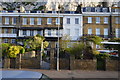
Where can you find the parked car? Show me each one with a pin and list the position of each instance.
(23, 75)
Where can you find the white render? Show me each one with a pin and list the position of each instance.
(8, 35)
(72, 26)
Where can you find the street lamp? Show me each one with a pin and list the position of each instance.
(58, 39)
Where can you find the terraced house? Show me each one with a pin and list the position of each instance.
(101, 21)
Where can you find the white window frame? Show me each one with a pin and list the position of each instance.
(68, 32)
(89, 31)
(76, 20)
(97, 20)
(68, 21)
(58, 21)
(25, 31)
(24, 21)
(6, 31)
(49, 33)
(105, 31)
(117, 20)
(98, 31)
(49, 20)
(117, 32)
(31, 32)
(89, 19)
(13, 40)
(13, 31)
(39, 21)
(5, 40)
(32, 21)
(105, 20)
(14, 23)
(0, 20)
(77, 32)
(39, 32)
(7, 20)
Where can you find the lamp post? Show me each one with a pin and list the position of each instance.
(58, 39)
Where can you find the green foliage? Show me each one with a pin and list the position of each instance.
(76, 49)
(41, 8)
(102, 56)
(4, 48)
(95, 39)
(36, 42)
(110, 46)
(13, 51)
(64, 42)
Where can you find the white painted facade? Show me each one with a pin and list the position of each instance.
(73, 30)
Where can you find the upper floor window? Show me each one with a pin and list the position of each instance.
(97, 31)
(90, 31)
(106, 20)
(24, 32)
(117, 20)
(13, 31)
(57, 20)
(76, 20)
(14, 20)
(6, 31)
(68, 31)
(39, 20)
(68, 20)
(97, 19)
(31, 33)
(39, 32)
(31, 21)
(89, 19)
(0, 20)
(76, 32)
(49, 20)
(49, 32)
(6, 20)
(24, 21)
(117, 32)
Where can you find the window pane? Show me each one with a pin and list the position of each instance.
(5, 40)
(68, 20)
(7, 20)
(49, 21)
(24, 21)
(31, 33)
(97, 19)
(39, 20)
(6, 31)
(0, 20)
(13, 30)
(106, 33)
(57, 20)
(24, 32)
(105, 20)
(97, 31)
(68, 31)
(89, 19)
(13, 41)
(14, 20)
(76, 20)
(49, 32)
(31, 21)
(89, 31)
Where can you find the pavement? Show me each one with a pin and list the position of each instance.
(78, 74)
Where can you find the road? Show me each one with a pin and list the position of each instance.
(78, 74)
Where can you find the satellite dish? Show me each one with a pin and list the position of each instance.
(22, 9)
(1, 8)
